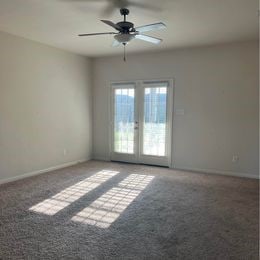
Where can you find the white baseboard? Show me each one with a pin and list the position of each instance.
(53, 168)
(209, 171)
(212, 171)
(100, 158)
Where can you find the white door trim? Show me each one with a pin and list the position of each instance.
(170, 102)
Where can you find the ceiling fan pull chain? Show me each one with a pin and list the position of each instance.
(124, 53)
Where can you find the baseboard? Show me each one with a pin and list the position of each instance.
(100, 158)
(219, 172)
(209, 171)
(53, 168)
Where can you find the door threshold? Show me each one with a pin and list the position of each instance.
(146, 164)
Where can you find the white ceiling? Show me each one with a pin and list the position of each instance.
(189, 23)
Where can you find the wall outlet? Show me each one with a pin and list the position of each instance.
(64, 152)
(235, 158)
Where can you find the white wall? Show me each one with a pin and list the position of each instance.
(218, 89)
(45, 107)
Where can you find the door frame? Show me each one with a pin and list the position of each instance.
(138, 158)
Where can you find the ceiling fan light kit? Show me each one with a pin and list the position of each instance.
(126, 31)
(124, 38)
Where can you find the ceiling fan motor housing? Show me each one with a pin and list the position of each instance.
(126, 27)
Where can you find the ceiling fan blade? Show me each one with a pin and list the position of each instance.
(115, 43)
(92, 34)
(147, 38)
(150, 27)
(117, 27)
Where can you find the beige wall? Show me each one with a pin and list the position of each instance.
(218, 89)
(45, 107)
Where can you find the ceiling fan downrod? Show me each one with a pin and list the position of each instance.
(124, 12)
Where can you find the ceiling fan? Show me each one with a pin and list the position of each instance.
(126, 31)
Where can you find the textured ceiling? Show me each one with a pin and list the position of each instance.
(189, 23)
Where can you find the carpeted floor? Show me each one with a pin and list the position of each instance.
(102, 210)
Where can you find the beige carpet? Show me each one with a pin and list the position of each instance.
(101, 210)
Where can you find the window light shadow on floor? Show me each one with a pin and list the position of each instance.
(107, 208)
(64, 198)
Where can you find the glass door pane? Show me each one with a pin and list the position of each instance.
(124, 117)
(155, 118)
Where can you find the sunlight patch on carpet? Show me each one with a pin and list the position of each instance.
(64, 198)
(107, 208)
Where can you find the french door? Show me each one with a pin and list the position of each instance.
(141, 116)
